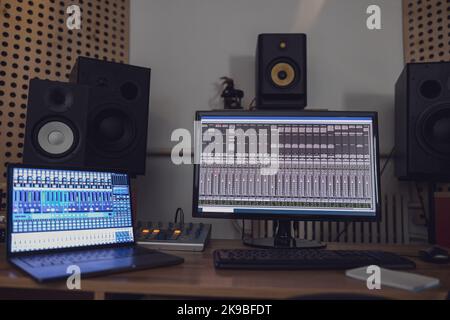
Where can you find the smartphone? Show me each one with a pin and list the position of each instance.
(395, 279)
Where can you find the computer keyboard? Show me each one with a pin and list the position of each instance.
(67, 258)
(293, 259)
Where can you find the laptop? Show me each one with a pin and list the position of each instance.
(59, 218)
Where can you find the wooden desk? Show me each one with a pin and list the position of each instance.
(197, 278)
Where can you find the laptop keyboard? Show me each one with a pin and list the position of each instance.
(76, 257)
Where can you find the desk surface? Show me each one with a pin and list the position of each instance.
(197, 277)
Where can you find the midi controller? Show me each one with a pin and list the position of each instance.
(173, 236)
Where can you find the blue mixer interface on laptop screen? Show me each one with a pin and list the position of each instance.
(55, 209)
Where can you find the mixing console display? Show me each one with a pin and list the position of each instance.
(51, 206)
(324, 165)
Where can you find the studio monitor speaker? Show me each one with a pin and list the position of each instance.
(117, 115)
(281, 77)
(422, 109)
(56, 123)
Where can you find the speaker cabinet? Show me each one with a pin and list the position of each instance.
(56, 123)
(118, 113)
(422, 107)
(281, 75)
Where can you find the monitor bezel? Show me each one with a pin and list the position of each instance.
(297, 217)
(9, 213)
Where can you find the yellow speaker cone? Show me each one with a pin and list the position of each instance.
(282, 74)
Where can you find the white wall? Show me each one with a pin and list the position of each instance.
(190, 44)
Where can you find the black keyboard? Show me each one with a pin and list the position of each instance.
(68, 258)
(301, 259)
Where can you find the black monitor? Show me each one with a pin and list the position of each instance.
(287, 166)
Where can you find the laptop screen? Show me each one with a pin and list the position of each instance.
(56, 209)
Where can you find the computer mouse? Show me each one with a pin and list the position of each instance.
(435, 255)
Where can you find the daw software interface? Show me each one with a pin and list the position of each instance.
(327, 166)
(54, 209)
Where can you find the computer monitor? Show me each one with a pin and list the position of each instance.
(287, 166)
(67, 208)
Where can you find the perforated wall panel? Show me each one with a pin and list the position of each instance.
(37, 43)
(426, 30)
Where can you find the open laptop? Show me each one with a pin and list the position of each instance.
(60, 218)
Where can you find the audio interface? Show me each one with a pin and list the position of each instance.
(173, 236)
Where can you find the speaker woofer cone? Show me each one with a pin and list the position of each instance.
(433, 128)
(283, 73)
(55, 138)
(112, 131)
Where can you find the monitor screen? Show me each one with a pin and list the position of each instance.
(55, 209)
(302, 165)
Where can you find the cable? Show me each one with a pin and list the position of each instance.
(236, 225)
(422, 203)
(387, 161)
(296, 229)
(181, 212)
(251, 106)
(347, 224)
(274, 227)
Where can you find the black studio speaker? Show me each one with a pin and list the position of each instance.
(422, 107)
(56, 123)
(281, 77)
(118, 111)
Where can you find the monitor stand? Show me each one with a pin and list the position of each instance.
(284, 240)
